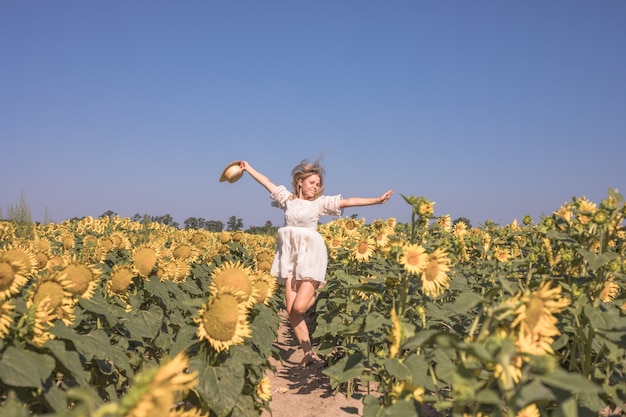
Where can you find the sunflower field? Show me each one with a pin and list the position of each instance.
(108, 317)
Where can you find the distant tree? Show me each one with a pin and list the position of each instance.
(234, 224)
(46, 217)
(21, 215)
(137, 217)
(108, 213)
(195, 223)
(464, 220)
(214, 225)
(191, 223)
(166, 219)
(267, 229)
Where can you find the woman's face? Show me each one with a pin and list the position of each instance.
(309, 187)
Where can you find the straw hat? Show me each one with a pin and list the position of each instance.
(232, 172)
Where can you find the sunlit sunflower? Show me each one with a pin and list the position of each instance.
(406, 390)
(11, 282)
(585, 210)
(60, 299)
(435, 279)
(351, 226)
(183, 269)
(6, 320)
(185, 252)
(445, 222)
(265, 286)
(364, 249)
(529, 411)
(145, 259)
(508, 368)
(237, 277)
(381, 237)
(82, 279)
(414, 258)
(460, 229)
(156, 391)
(501, 254)
(222, 321)
(68, 241)
(40, 318)
(264, 389)
(21, 258)
(121, 279)
(537, 324)
(610, 289)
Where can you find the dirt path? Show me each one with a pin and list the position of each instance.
(304, 392)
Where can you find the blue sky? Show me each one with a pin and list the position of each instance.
(491, 109)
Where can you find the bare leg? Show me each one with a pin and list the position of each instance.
(299, 297)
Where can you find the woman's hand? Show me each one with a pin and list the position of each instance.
(385, 197)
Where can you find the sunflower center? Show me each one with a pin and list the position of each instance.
(120, 281)
(235, 279)
(50, 289)
(534, 311)
(19, 259)
(182, 252)
(79, 277)
(145, 260)
(221, 318)
(363, 248)
(431, 271)
(7, 274)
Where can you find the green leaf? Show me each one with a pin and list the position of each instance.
(219, 386)
(533, 392)
(24, 368)
(569, 381)
(144, 323)
(487, 396)
(465, 302)
(70, 360)
(244, 407)
(602, 320)
(398, 369)
(346, 369)
(403, 408)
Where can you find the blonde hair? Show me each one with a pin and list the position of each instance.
(304, 170)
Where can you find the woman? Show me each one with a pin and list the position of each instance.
(301, 254)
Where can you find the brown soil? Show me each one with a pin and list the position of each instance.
(304, 392)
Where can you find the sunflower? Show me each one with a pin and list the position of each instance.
(364, 249)
(183, 269)
(145, 259)
(235, 276)
(6, 308)
(185, 252)
(501, 254)
(265, 286)
(222, 321)
(413, 258)
(11, 282)
(121, 279)
(59, 300)
(445, 222)
(40, 319)
(535, 319)
(351, 226)
(156, 390)
(460, 229)
(82, 279)
(529, 411)
(381, 237)
(610, 289)
(264, 389)
(434, 275)
(405, 390)
(21, 258)
(395, 334)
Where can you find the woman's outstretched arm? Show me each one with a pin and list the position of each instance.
(260, 178)
(365, 201)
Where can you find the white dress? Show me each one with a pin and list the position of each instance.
(300, 250)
